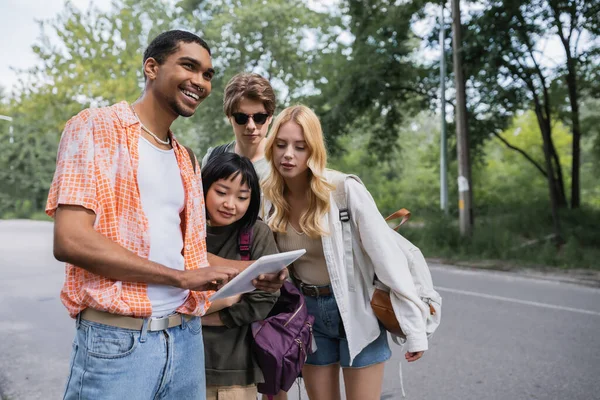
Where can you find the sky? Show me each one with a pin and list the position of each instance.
(19, 31)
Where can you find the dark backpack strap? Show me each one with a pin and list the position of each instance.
(192, 157)
(221, 149)
(245, 243)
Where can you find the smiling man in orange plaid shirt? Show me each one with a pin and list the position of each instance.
(130, 224)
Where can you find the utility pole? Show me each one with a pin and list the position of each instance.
(10, 128)
(443, 135)
(462, 143)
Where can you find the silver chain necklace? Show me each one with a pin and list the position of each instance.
(165, 142)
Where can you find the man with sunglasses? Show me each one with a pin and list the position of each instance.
(249, 104)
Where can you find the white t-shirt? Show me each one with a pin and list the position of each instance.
(163, 199)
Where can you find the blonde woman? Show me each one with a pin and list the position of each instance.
(303, 214)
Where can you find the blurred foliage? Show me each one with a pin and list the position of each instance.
(505, 173)
(517, 236)
(282, 41)
(511, 198)
(93, 58)
(409, 176)
(377, 77)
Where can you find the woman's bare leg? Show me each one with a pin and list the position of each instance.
(322, 382)
(364, 383)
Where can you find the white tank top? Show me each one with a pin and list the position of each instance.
(163, 200)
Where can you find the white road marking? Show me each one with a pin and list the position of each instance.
(511, 276)
(526, 302)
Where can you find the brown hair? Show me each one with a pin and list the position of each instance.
(250, 86)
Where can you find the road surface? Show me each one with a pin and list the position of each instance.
(502, 336)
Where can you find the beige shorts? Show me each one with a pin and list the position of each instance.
(231, 392)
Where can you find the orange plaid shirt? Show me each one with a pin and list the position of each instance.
(96, 168)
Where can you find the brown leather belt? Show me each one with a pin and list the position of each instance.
(122, 321)
(314, 290)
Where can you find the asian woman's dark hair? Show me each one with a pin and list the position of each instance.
(229, 166)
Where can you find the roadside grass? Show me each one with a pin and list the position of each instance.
(25, 209)
(519, 235)
(36, 216)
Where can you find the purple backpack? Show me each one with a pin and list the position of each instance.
(245, 243)
(283, 341)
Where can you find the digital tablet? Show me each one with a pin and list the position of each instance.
(270, 264)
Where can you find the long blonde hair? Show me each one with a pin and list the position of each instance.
(274, 186)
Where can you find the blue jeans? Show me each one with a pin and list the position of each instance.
(122, 364)
(332, 345)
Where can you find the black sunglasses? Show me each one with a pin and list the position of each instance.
(258, 118)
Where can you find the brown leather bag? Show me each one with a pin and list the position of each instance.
(381, 302)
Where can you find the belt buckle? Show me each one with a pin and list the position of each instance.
(312, 289)
(159, 324)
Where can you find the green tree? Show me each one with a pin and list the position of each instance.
(93, 57)
(505, 74)
(409, 176)
(95, 60)
(506, 179)
(27, 157)
(572, 20)
(283, 41)
(374, 75)
(590, 152)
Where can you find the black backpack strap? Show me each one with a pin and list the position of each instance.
(221, 149)
(192, 157)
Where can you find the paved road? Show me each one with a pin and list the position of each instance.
(502, 337)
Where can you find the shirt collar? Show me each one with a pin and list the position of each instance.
(125, 114)
(128, 118)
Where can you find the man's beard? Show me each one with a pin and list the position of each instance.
(179, 110)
